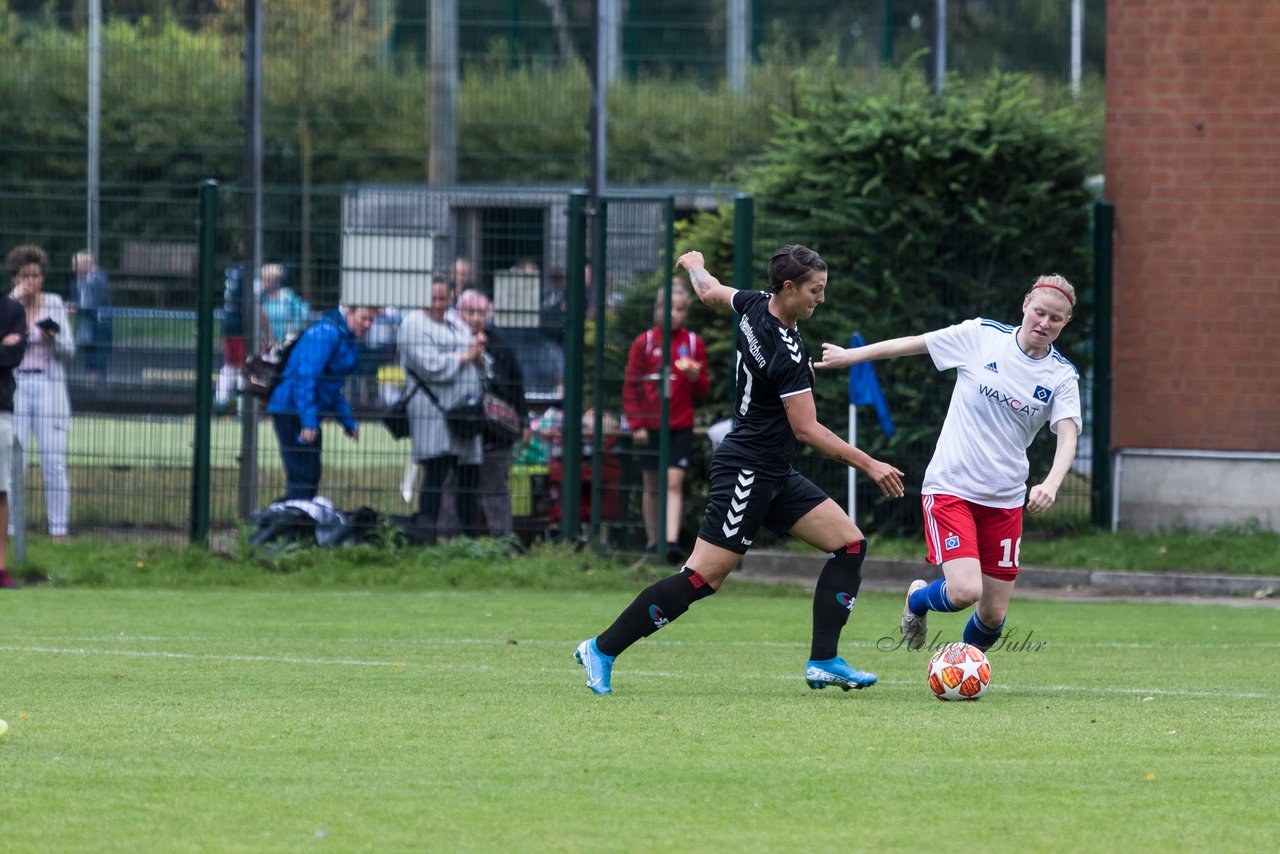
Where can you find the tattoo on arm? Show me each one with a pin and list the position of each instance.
(701, 280)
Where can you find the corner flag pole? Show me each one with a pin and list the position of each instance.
(853, 473)
(855, 340)
(864, 390)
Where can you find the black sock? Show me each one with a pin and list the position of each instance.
(833, 598)
(657, 605)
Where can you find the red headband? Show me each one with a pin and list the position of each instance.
(1062, 291)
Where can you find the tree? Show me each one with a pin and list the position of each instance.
(928, 210)
(310, 47)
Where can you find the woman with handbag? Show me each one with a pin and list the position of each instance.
(502, 378)
(441, 353)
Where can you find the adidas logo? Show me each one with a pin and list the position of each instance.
(991, 366)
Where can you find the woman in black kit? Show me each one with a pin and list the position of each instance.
(752, 482)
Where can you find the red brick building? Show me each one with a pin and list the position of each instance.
(1193, 171)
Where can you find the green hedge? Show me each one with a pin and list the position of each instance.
(928, 210)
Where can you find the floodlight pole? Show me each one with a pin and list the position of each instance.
(442, 112)
(93, 166)
(1077, 43)
(599, 101)
(252, 262)
(940, 46)
(736, 44)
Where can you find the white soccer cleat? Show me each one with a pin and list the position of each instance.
(914, 628)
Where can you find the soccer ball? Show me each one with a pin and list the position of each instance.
(959, 671)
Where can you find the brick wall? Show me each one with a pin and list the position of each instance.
(1193, 169)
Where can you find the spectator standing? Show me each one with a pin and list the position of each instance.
(13, 344)
(311, 390)
(502, 377)
(554, 301)
(232, 334)
(463, 276)
(91, 307)
(440, 351)
(41, 406)
(642, 408)
(285, 311)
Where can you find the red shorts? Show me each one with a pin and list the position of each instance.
(954, 528)
(233, 351)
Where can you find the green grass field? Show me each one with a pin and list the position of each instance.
(456, 720)
(137, 473)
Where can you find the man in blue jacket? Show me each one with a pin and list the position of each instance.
(311, 389)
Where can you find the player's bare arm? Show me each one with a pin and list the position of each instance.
(803, 418)
(705, 285)
(834, 356)
(1042, 496)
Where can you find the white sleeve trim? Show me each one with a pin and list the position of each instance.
(794, 393)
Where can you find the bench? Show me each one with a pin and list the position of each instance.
(156, 274)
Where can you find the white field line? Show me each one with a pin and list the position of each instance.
(136, 653)
(1048, 645)
(650, 674)
(998, 687)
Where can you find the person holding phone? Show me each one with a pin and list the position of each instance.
(41, 406)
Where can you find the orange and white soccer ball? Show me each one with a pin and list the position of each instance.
(959, 671)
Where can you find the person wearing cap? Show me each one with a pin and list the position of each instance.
(1010, 382)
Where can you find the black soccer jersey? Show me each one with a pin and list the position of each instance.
(772, 364)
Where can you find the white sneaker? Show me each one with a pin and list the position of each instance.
(914, 629)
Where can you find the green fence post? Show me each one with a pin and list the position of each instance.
(1100, 479)
(575, 309)
(200, 466)
(664, 385)
(743, 249)
(886, 32)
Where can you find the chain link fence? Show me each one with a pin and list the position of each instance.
(112, 166)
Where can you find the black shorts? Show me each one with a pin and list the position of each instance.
(680, 450)
(742, 500)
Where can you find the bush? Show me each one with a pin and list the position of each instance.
(928, 210)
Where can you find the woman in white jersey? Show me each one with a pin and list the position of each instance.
(1010, 382)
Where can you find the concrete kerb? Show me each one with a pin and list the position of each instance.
(894, 574)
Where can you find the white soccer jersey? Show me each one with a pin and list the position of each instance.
(1001, 400)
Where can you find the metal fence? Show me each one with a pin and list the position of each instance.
(113, 165)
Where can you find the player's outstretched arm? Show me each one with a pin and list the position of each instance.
(705, 285)
(802, 415)
(842, 357)
(1042, 496)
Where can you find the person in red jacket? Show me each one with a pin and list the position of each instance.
(642, 408)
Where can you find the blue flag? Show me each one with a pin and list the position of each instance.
(864, 388)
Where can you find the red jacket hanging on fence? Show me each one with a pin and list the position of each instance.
(640, 402)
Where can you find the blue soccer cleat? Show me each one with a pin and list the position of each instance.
(837, 672)
(599, 666)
